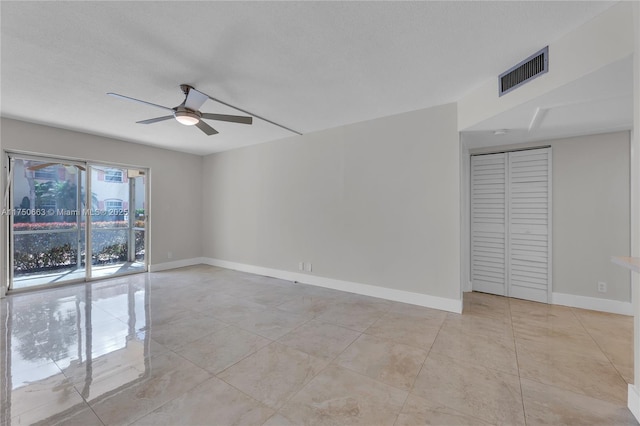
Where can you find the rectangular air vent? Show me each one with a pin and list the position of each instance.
(532, 67)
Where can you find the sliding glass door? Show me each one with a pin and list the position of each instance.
(73, 221)
(46, 231)
(117, 221)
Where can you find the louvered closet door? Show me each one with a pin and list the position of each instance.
(511, 224)
(488, 223)
(529, 217)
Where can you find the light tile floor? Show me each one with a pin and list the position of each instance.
(204, 345)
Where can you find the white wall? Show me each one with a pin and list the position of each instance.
(376, 203)
(3, 270)
(633, 399)
(591, 214)
(175, 180)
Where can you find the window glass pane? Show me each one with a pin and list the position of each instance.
(118, 226)
(47, 236)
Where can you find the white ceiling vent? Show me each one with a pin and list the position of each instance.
(532, 67)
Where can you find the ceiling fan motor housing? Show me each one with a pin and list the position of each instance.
(187, 116)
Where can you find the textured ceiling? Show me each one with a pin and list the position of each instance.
(307, 65)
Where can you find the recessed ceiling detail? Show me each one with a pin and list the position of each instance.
(599, 102)
(537, 118)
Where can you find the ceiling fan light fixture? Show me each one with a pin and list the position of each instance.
(187, 118)
(187, 112)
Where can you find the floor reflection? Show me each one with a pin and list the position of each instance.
(83, 344)
(79, 274)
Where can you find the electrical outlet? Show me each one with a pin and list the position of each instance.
(300, 266)
(308, 267)
(602, 287)
(169, 255)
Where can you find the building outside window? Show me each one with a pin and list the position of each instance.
(113, 175)
(47, 173)
(113, 204)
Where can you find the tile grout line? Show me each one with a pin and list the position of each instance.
(87, 404)
(332, 360)
(409, 393)
(314, 317)
(428, 353)
(598, 345)
(276, 411)
(73, 385)
(515, 347)
(424, 362)
(178, 396)
(319, 372)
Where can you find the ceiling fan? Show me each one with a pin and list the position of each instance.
(188, 113)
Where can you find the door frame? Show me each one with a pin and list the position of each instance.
(131, 237)
(6, 262)
(466, 284)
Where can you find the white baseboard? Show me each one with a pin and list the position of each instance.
(593, 303)
(441, 303)
(633, 401)
(176, 264)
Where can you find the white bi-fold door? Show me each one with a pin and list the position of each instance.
(511, 224)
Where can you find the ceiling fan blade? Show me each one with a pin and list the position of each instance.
(206, 128)
(195, 99)
(232, 118)
(252, 114)
(127, 98)
(155, 120)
